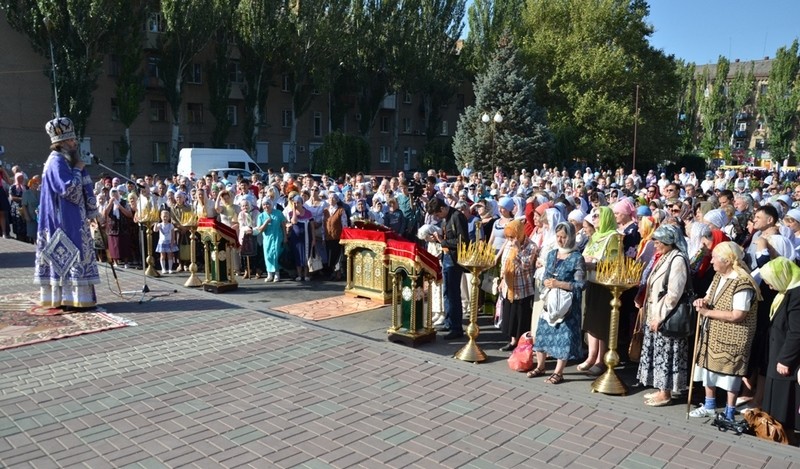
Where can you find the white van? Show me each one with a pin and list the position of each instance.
(196, 162)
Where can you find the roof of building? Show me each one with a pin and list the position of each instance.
(761, 68)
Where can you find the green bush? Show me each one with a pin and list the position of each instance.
(340, 154)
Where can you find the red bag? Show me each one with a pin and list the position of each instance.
(521, 358)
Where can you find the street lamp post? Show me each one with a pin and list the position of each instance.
(492, 122)
(49, 26)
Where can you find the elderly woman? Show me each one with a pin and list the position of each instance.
(334, 221)
(664, 362)
(728, 315)
(248, 217)
(180, 211)
(15, 192)
(119, 225)
(700, 266)
(270, 224)
(597, 298)
(516, 282)
(781, 390)
(565, 269)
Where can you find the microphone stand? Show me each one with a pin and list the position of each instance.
(145, 288)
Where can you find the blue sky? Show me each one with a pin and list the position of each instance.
(701, 30)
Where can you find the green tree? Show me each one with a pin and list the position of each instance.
(313, 26)
(520, 139)
(130, 88)
(219, 89)
(259, 34)
(488, 21)
(190, 25)
(714, 106)
(588, 58)
(780, 104)
(740, 94)
(687, 107)
(340, 154)
(80, 32)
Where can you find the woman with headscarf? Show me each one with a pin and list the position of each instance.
(664, 362)
(506, 207)
(118, 224)
(248, 219)
(334, 221)
(728, 325)
(700, 266)
(361, 212)
(516, 282)
(716, 218)
(301, 239)
(695, 229)
(781, 390)
(597, 298)
(576, 217)
(565, 269)
(271, 225)
(791, 222)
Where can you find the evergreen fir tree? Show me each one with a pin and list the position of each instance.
(522, 139)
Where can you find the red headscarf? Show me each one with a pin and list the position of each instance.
(717, 236)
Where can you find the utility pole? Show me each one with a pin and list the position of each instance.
(635, 127)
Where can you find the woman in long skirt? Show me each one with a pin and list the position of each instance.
(270, 225)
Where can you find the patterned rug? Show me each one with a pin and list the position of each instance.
(329, 308)
(23, 322)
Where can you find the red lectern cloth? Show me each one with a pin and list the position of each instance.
(206, 224)
(396, 245)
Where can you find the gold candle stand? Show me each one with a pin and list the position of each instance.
(617, 274)
(477, 257)
(189, 220)
(148, 217)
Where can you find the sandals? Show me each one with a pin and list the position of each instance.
(584, 366)
(536, 372)
(555, 378)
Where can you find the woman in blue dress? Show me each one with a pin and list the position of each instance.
(271, 223)
(560, 338)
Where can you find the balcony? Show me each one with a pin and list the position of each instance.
(740, 134)
(742, 116)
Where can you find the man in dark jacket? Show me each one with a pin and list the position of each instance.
(454, 231)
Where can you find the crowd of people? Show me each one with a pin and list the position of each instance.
(731, 237)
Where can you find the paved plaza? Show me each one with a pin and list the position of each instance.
(208, 380)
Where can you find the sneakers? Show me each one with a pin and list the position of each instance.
(298, 279)
(438, 319)
(163, 272)
(268, 279)
(170, 271)
(276, 278)
(702, 411)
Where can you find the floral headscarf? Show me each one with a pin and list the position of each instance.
(671, 235)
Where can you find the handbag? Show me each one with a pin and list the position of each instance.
(489, 283)
(557, 303)
(679, 323)
(765, 426)
(521, 358)
(314, 261)
(635, 347)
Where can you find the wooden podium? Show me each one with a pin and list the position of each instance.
(217, 239)
(367, 267)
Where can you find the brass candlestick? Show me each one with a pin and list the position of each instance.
(476, 257)
(617, 274)
(147, 218)
(189, 220)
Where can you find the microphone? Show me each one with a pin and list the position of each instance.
(93, 158)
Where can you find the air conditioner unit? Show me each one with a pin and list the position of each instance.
(301, 149)
(416, 132)
(180, 138)
(358, 116)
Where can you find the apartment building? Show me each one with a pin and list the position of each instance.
(26, 103)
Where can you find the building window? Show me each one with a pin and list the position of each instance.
(407, 97)
(113, 65)
(743, 126)
(194, 113)
(152, 72)
(384, 154)
(317, 124)
(195, 74)
(759, 144)
(286, 118)
(235, 72)
(762, 90)
(406, 125)
(760, 125)
(285, 82)
(117, 155)
(384, 124)
(155, 23)
(407, 152)
(737, 145)
(160, 152)
(233, 115)
(158, 111)
(444, 128)
(114, 109)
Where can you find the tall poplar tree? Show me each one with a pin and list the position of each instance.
(780, 104)
(713, 106)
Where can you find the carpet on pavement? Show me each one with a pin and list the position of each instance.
(329, 308)
(24, 322)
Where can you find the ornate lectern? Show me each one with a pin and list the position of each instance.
(367, 269)
(217, 239)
